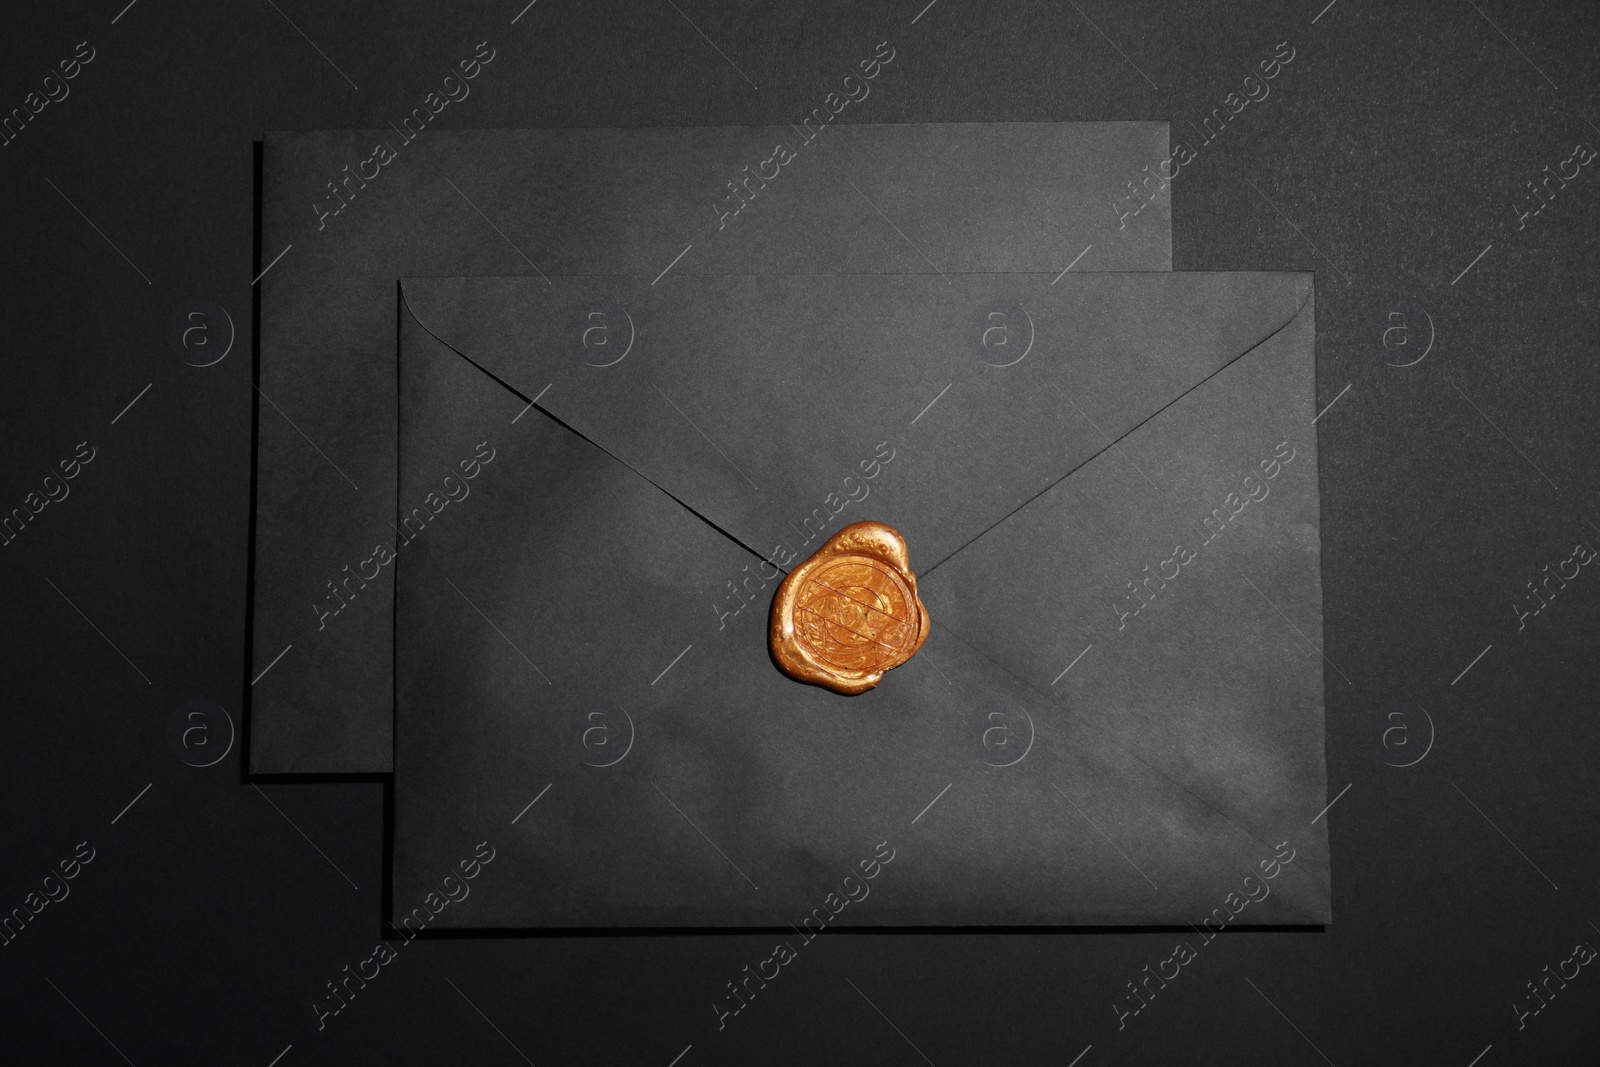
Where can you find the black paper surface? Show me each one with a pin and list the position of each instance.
(590, 617)
(1395, 148)
(650, 203)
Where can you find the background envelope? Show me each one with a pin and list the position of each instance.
(556, 663)
(906, 198)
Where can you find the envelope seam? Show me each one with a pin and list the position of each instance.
(1290, 321)
(513, 390)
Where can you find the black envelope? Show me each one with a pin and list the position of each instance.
(342, 220)
(1108, 483)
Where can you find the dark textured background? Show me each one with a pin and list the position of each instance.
(1388, 156)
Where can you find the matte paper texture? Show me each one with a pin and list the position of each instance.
(1108, 531)
(663, 202)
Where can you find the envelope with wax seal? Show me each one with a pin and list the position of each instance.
(345, 213)
(1108, 488)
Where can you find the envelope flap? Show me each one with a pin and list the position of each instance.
(776, 406)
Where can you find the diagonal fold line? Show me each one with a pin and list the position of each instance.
(1110, 444)
(1107, 436)
(922, 574)
(514, 391)
(708, 438)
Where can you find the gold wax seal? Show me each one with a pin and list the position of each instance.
(850, 612)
